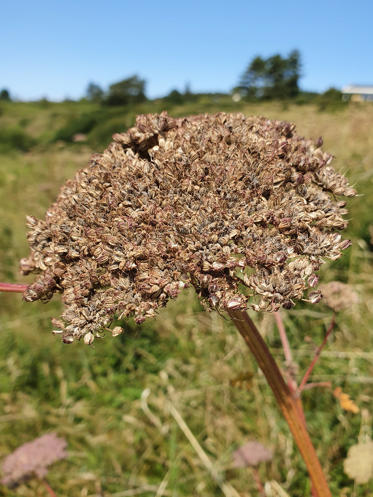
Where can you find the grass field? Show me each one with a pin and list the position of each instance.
(115, 402)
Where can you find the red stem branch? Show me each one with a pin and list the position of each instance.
(48, 487)
(319, 384)
(316, 356)
(284, 397)
(283, 337)
(258, 482)
(12, 287)
(287, 351)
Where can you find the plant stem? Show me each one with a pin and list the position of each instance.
(48, 487)
(315, 358)
(319, 384)
(284, 398)
(12, 287)
(287, 351)
(283, 337)
(258, 482)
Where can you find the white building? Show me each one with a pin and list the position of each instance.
(358, 93)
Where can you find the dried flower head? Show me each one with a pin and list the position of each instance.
(251, 454)
(239, 207)
(338, 295)
(33, 458)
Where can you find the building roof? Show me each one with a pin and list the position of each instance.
(358, 89)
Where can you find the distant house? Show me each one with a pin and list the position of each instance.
(358, 93)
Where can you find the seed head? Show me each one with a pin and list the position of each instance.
(338, 295)
(33, 459)
(239, 207)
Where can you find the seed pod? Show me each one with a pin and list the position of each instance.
(89, 338)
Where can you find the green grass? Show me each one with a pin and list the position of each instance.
(119, 439)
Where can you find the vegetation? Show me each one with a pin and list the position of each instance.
(115, 401)
(95, 92)
(5, 95)
(276, 77)
(128, 91)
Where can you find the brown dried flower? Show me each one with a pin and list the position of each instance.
(338, 295)
(241, 208)
(33, 458)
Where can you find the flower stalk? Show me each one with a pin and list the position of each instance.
(284, 397)
(12, 287)
(303, 383)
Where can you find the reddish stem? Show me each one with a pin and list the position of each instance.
(12, 287)
(258, 482)
(315, 358)
(284, 338)
(287, 350)
(284, 397)
(48, 487)
(321, 384)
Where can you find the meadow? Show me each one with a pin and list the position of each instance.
(123, 404)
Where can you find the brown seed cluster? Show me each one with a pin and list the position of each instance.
(239, 207)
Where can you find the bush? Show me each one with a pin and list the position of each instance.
(101, 134)
(15, 139)
(331, 100)
(83, 124)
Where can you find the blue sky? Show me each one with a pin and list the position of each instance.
(54, 48)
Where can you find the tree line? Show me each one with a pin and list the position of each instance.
(276, 77)
(273, 78)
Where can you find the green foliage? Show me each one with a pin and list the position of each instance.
(14, 138)
(305, 97)
(330, 100)
(5, 95)
(82, 124)
(94, 92)
(174, 97)
(127, 91)
(276, 77)
(101, 135)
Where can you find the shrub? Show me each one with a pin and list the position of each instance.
(331, 100)
(101, 135)
(15, 139)
(83, 124)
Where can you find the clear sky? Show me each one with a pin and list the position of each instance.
(54, 48)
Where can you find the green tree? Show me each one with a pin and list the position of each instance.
(331, 99)
(175, 97)
(94, 92)
(5, 95)
(253, 79)
(276, 77)
(127, 91)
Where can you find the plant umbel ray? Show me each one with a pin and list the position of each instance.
(284, 398)
(12, 287)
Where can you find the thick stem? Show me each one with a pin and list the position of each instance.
(284, 398)
(12, 287)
